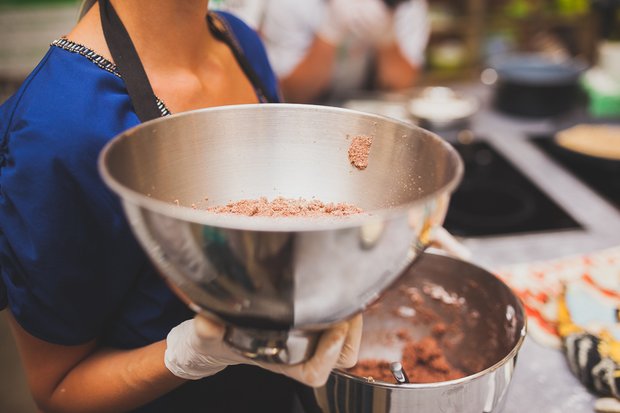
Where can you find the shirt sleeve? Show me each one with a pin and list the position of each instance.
(288, 29)
(67, 255)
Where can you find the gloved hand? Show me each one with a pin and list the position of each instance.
(370, 20)
(334, 26)
(412, 29)
(195, 349)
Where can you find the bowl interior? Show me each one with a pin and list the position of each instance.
(215, 156)
(484, 320)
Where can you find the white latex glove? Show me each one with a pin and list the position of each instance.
(334, 26)
(370, 20)
(412, 29)
(195, 349)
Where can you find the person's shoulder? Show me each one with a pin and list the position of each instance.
(234, 22)
(62, 81)
(240, 28)
(244, 35)
(65, 96)
(252, 48)
(245, 38)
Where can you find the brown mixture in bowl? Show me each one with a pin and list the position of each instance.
(424, 323)
(423, 361)
(359, 151)
(285, 207)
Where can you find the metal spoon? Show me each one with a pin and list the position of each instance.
(398, 373)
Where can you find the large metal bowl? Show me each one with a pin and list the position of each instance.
(278, 281)
(492, 329)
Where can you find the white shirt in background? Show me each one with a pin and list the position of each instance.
(289, 27)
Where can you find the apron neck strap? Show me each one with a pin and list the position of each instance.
(129, 64)
(222, 35)
(132, 71)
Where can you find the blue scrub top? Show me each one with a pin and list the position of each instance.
(70, 268)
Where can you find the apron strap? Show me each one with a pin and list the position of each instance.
(243, 62)
(129, 64)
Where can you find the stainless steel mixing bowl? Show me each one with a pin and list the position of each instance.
(491, 328)
(276, 282)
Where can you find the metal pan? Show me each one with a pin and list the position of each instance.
(533, 85)
(595, 146)
(491, 328)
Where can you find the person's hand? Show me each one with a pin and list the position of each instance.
(411, 29)
(334, 27)
(337, 348)
(195, 349)
(370, 20)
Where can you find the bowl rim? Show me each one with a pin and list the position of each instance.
(497, 365)
(513, 67)
(269, 224)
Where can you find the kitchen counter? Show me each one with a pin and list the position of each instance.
(542, 381)
(510, 136)
(600, 220)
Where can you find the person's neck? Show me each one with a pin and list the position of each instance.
(187, 66)
(166, 32)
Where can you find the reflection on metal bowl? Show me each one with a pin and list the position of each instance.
(485, 346)
(277, 281)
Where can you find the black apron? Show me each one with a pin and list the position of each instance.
(236, 389)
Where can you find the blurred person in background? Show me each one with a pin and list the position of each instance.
(97, 328)
(323, 50)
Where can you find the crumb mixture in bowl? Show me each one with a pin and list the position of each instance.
(424, 361)
(419, 324)
(285, 207)
(359, 151)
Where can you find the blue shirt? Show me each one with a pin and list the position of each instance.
(70, 268)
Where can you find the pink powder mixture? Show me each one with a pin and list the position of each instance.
(285, 207)
(359, 151)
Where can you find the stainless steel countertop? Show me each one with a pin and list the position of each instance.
(542, 381)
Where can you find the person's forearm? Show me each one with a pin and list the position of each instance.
(313, 74)
(115, 381)
(394, 72)
(86, 379)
